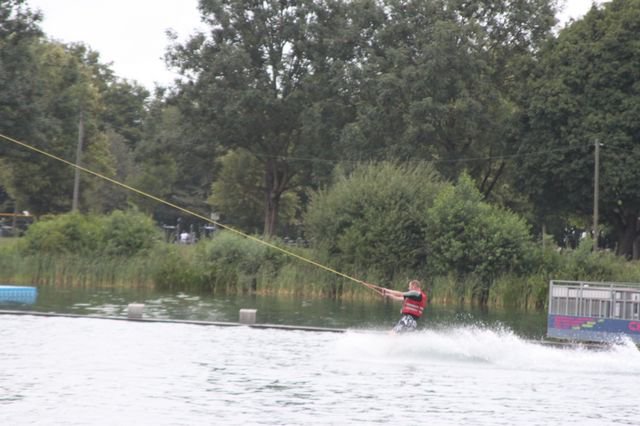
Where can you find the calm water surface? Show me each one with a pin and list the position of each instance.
(377, 314)
(456, 371)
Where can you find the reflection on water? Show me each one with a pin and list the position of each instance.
(375, 314)
(78, 371)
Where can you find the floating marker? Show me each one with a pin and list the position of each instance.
(18, 294)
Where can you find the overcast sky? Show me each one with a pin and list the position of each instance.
(131, 33)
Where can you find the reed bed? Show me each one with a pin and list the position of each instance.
(229, 265)
(76, 271)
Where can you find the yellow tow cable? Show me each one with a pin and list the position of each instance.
(370, 286)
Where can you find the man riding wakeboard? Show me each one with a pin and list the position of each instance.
(413, 302)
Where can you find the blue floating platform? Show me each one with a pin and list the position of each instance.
(18, 294)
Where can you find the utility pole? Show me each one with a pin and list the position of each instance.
(76, 178)
(596, 184)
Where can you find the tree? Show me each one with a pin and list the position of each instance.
(264, 77)
(237, 193)
(437, 83)
(467, 236)
(584, 90)
(374, 219)
(19, 30)
(63, 89)
(45, 86)
(64, 83)
(172, 162)
(117, 116)
(125, 110)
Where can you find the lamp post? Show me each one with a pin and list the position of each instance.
(76, 177)
(596, 184)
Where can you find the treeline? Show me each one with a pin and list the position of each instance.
(282, 100)
(383, 223)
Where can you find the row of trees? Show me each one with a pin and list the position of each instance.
(45, 87)
(382, 223)
(430, 228)
(278, 98)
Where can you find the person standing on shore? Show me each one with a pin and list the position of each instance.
(413, 302)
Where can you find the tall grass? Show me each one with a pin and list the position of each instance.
(67, 270)
(228, 264)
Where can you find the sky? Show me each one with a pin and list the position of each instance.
(131, 34)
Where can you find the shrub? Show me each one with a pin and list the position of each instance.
(177, 270)
(584, 263)
(374, 219)
(67, 233)
(470, 237)
(128, 233)
(120, 234)
(237, 262)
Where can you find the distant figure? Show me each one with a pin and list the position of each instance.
(413, 305)
(184, 237)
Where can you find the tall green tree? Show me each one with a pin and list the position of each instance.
(238, 190)
(584, 90)
(64, 92)
(268, 78)
(122, 118)
(65, 82)
(114, 115)
(19, 31)
(173, 162)
(125, 109)
(45, 86)
(437, 83)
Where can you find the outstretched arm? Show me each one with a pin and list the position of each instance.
(394, 294)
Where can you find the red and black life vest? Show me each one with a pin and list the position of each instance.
(414, 307)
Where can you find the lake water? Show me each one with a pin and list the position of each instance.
(377, 314)
(460, 371)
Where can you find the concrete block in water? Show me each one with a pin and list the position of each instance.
(248, 316)
(135, 310)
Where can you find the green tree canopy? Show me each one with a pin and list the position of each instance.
(19, 31)
(467, 236)
(584, 90)
(268, 78)
(437, 83)
(64, 89)
(237, 193)
(45, 86)
(373, 221)
(65, 83)
(389, 222)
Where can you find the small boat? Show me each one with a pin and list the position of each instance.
(18, 294)
(594, 311)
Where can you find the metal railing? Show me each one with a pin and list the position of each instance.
(595, 299)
